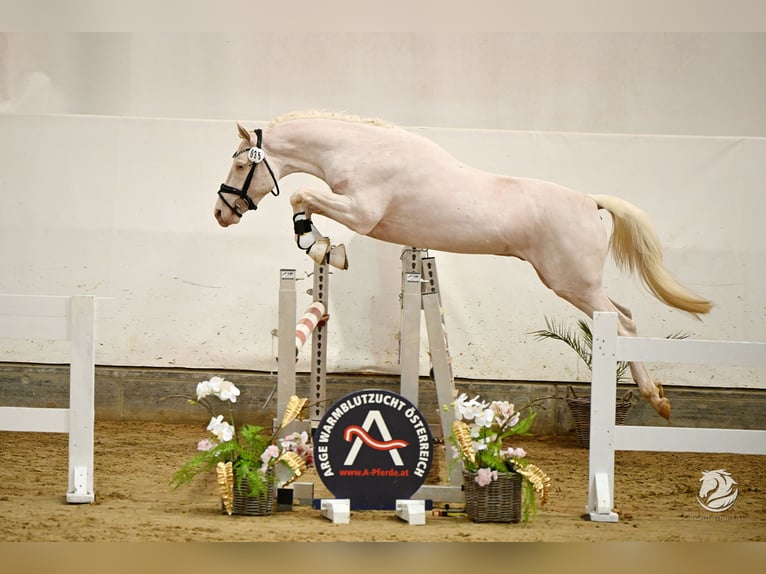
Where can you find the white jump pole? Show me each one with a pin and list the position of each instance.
(606, 437)
(307, 323)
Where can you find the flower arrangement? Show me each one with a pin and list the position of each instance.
(247, 453)
(480, 437)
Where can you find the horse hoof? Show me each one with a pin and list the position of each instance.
(664, 409)
(338, 257)
(318, 251)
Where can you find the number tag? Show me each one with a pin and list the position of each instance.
(255, 154)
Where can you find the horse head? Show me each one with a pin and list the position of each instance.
(245, 184)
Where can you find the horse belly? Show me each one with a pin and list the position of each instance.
(438, 241)
(462, 231)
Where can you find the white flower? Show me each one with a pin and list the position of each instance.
(203, 390)
(228, 392)
(479, 445)
(218, 387)
(485, 418)
(466, 409)
(215, 385)
(222, 430)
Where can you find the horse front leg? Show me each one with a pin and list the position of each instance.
(307, 236)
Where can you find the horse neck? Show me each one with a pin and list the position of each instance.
(322, 148)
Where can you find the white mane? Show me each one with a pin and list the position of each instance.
(313, 114)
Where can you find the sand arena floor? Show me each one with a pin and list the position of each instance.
(655, 494)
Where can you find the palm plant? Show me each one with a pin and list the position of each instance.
(581, 341)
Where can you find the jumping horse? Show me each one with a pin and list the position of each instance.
(397, 186)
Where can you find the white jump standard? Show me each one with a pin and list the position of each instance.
(293, 334)
(413, 512)
(337, 510)
(60, 318)
(420, 294)
(606, 437)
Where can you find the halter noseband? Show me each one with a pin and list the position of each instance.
(255, 155)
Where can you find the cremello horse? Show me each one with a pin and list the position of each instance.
(396, 186)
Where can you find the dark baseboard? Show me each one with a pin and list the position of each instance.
(157, 394)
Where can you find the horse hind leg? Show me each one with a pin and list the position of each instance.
(650, 390)
(630, 323)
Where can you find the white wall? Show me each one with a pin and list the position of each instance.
(697, 84)
(121, 206)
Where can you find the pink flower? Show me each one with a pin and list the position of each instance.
(484, 476)
(205, 444)
(299, 444)
(513, 453)
(272, 451)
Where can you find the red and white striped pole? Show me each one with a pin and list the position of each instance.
(307, 324)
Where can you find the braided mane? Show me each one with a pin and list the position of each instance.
(313, 114)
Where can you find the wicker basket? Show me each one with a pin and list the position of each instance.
(261, 505)
(499, 501)
(580, 407)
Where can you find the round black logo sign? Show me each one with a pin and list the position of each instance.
(373, 447)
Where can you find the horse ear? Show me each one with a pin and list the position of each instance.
(243, 133)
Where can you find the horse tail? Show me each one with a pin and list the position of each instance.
(636, 248)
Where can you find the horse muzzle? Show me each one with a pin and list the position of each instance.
(241, 204)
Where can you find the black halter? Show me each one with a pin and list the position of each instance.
(255, 155)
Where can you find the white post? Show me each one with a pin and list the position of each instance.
(286, 342)
(606, 437)
(81, 399)
(318, 382)
(409, 338)
(440, 361)
(603, 397)
(61, 318)
(409, 329)
(420, 292)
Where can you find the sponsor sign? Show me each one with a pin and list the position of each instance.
(373, 447)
